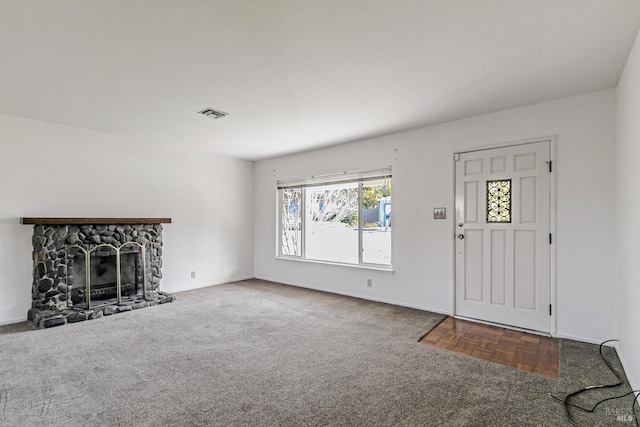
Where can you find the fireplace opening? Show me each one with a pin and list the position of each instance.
(111, 275)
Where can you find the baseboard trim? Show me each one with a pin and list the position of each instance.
(587, 340)
(634, 385)
(206, 285)
(353, 295)
(10, 322)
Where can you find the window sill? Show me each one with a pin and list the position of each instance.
(386, 269)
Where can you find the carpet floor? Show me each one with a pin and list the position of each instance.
(257, 353)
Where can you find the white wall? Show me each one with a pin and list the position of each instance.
(423, 179)
(628, 218)
(210, 200)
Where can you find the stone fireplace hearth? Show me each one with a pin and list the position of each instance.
(86, 268)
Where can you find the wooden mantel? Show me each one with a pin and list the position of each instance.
(94, 221)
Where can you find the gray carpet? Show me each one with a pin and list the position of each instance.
(263, 354)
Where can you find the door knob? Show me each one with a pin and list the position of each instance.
(460, 236)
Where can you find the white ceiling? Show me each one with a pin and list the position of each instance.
(299, 74)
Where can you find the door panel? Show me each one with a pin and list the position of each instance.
(471, 201)
(524, 162)
(503, 265)
(524, 277)
(473, 167)
(473, 267)
(498, 164)
(498, 266)
(527, 200)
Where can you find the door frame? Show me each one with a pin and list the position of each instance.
(553, 284)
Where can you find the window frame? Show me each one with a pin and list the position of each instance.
(361, 177)
(303, 206)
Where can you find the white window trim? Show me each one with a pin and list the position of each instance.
(303, 205)
(321, 180)
(377, 267)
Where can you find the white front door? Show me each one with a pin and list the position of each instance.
(503, 235)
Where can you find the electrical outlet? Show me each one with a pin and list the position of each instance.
(193, 274)
(369, 283)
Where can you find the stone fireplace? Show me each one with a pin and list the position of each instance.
(85, 268)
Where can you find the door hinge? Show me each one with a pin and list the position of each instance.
(456, 157)
(550, 166)
(549, 309)
(550, 239)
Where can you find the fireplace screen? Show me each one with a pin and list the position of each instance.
(105, 274)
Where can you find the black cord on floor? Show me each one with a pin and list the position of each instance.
(566, 402)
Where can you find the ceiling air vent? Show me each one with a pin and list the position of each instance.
(214, 114)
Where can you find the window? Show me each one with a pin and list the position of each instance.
(342, 218)
(499, 201)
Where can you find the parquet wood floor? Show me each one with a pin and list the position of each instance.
(529, 352)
